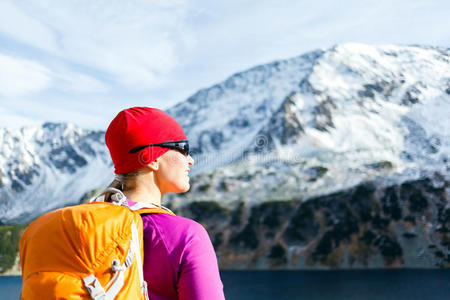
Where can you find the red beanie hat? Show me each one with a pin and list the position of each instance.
(140, 126)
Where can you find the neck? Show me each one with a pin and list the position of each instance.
(145, 190)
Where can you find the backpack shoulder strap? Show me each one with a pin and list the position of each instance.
(158, 210)
(147, 208)
(118, 198)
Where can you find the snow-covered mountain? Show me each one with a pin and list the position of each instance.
(320, 123)
(303, 127)
(48, 166)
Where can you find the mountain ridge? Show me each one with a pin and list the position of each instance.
(357, 104)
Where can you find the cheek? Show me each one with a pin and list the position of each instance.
(174, 173)
(177, 181)
(176, 164)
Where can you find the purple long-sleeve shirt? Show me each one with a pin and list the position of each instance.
(179, 259)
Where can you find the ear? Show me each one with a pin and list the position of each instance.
(154, 165)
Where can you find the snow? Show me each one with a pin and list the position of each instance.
(25, 156)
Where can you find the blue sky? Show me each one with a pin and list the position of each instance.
(83, 61)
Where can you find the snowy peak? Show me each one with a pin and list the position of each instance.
(44, 167)
(389, 73)
(353, 113)
(350, 98)
(230, 114)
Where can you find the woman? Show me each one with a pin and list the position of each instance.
(151, 157)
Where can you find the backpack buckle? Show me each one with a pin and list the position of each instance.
(94, 287)
(119, 199)
(116, 267)
(129, 259)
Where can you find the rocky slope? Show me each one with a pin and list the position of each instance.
(366, 226)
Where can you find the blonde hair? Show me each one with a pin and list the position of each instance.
(122, 182)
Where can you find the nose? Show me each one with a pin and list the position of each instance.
(190, 160)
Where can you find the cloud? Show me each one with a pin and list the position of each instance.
(18, 24)
(105, 55)
(137, 43)
(67, 80)
(11, 119)
(24, 111)
(20, 76)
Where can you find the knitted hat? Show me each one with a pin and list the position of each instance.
(140, 126)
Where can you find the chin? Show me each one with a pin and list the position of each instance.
(182, 189)
(187, 187)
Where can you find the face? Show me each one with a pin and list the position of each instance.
(173, 172)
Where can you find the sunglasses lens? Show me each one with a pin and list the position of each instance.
(184, 147)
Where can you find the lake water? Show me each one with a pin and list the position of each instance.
(330, 285)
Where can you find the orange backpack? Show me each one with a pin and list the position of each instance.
(87, 251)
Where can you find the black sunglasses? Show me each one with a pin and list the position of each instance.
(181, 146)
